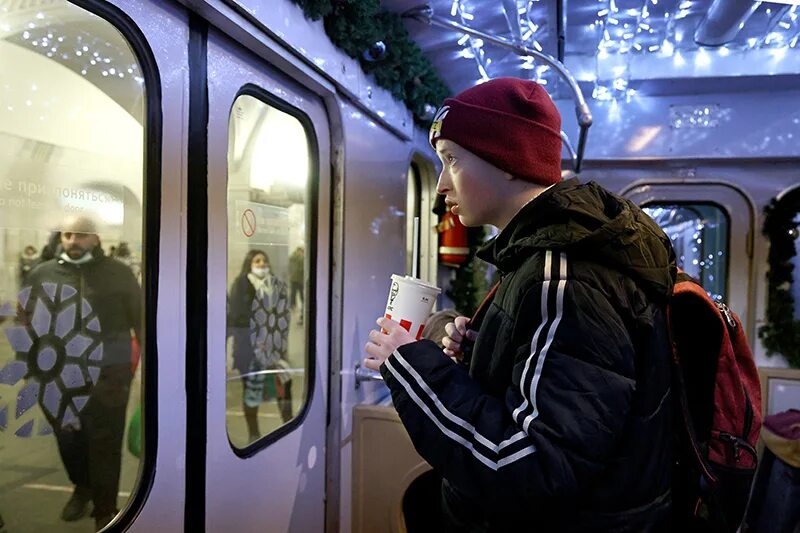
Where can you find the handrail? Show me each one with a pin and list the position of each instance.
(424, 13)
(568, 146)
(266, 373)
(365, 374)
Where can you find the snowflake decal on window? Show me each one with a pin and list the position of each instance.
(59, 351)
(269, 327)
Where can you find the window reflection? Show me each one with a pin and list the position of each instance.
(699, 236)
(71, 168)
(268, 163)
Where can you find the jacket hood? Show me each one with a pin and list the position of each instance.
(590, 222)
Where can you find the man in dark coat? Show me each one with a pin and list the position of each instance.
(562, 421)
(80, 309)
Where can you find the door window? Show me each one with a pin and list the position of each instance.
(268, 186)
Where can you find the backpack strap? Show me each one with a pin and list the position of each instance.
(680, 386)
(686, 417)
(483, 307)
(477, 319)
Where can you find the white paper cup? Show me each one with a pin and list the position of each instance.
(410, 303)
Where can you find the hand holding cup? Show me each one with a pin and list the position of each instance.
(382, 343)
(457, 333)
(408, 306)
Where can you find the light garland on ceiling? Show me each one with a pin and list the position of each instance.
(472, 47)
(629, 32)
(656, 27)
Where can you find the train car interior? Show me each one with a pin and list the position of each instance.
(202, 203)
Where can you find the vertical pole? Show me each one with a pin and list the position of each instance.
(415, 250)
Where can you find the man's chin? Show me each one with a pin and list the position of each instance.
(467, 221)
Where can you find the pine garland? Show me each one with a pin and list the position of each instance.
(781, 334)
(355, 25)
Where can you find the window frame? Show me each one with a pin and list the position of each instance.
(427, 176)
(413, 186)
(309, 290)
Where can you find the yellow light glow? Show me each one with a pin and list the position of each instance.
(280, 155)
(643, 137)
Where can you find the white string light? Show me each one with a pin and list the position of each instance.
(628, 34)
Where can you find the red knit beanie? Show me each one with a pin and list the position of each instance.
(511, 123)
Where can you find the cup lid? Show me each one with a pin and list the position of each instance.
(409, 279)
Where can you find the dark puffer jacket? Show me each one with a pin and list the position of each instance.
(563, 422)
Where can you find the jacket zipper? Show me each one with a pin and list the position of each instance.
(726, 313)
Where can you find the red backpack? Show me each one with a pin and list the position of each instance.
(718, 403)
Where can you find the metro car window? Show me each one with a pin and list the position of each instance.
(268, 169)
(699, 235)
(72, 116)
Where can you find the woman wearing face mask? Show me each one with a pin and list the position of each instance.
(258, 321)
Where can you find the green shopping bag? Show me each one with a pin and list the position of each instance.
(135, 432)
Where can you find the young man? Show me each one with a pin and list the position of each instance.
(89, 421)
(562, 422)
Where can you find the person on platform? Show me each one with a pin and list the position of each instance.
(83, 309)
(258, 321)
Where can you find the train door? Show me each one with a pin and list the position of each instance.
(711, 229)
(267, 274)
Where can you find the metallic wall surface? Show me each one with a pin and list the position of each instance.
(748, 125)
(308, 39)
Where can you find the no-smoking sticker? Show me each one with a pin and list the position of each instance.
(262, 224)
(248, 223)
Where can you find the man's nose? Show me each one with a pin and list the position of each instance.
(443, 184)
